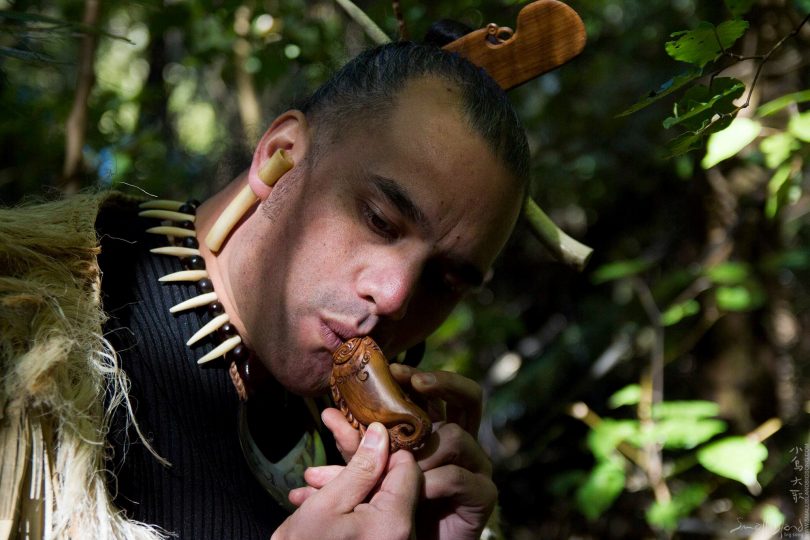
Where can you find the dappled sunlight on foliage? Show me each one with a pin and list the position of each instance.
(664, 392)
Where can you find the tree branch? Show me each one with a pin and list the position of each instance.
(77, 120)
(564, 248)
(403, 29)
(370, 27)
(248, 101)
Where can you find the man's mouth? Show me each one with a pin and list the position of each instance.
(334, 333)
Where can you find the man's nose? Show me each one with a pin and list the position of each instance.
(389, 287)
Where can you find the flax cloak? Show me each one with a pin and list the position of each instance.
(55, 370)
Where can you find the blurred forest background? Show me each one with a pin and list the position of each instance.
(661, 393)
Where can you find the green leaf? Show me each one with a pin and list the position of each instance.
(564, 483)
(802, 5)
(685, 409)
(666, 515)
(781, 102)
(799, 126)
(738, 458)
(738, 298)
(688, 433)
(794, 259)
(672, 85)
(693, 140)
(678, 312)
(459, 321)
(603, 485)
(777, 191)
(684, 143)
(604, 438)
(629, 395)
(706, 42)
(701, 103)
(726, 143)
(729, 273)
(682, 433)
(778, 148)
(619, 269)
(739, 7)
(772, 517)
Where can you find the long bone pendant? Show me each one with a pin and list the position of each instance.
(365, 391)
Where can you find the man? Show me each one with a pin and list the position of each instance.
(409, 176)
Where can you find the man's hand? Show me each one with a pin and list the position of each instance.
(372, 497)
(458, 493)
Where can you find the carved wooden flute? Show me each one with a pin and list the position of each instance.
(365, 391)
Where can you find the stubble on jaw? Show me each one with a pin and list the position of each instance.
(281, 195)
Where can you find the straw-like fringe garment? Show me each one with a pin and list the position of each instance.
(55, 368)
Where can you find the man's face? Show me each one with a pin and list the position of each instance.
(382, 236)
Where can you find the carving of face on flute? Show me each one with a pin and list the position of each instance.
(377, 230)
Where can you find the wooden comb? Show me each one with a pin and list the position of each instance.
(548, 34)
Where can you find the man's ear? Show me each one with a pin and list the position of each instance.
(288, 132)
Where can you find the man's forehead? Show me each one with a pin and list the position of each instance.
(431, 87)
(428, 93)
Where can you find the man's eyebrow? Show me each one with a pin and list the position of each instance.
(399, 198)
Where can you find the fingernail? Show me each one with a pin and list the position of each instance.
(426, 379)
(398, 369)
(374, 435)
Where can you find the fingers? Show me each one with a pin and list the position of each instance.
(396, 498)
(464, 487)
(392, 509)
(318, 477)
(463, 396)
(353, 484)
(402, 484)
(298, 496)
(346, 436)
(338, 509)
(452, 445)
(472, 498)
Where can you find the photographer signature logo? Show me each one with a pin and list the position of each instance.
(784, 531)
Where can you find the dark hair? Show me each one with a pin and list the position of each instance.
(371, 81)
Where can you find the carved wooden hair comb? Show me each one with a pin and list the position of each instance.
(549, 34)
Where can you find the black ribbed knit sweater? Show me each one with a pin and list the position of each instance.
(188, 413)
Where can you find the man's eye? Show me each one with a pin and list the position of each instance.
(453, 284)
(443, 281)
(379, 224)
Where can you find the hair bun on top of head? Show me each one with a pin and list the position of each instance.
(548, 34)
(444, 32)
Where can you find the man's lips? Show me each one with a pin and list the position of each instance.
(334, 333)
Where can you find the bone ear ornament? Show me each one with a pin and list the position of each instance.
(365, 392)
(278, 164)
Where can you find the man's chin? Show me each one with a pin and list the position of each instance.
(312, 383)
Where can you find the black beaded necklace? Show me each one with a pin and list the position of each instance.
(177, 224)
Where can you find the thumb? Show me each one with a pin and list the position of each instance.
(352, 486)
(346, 437)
